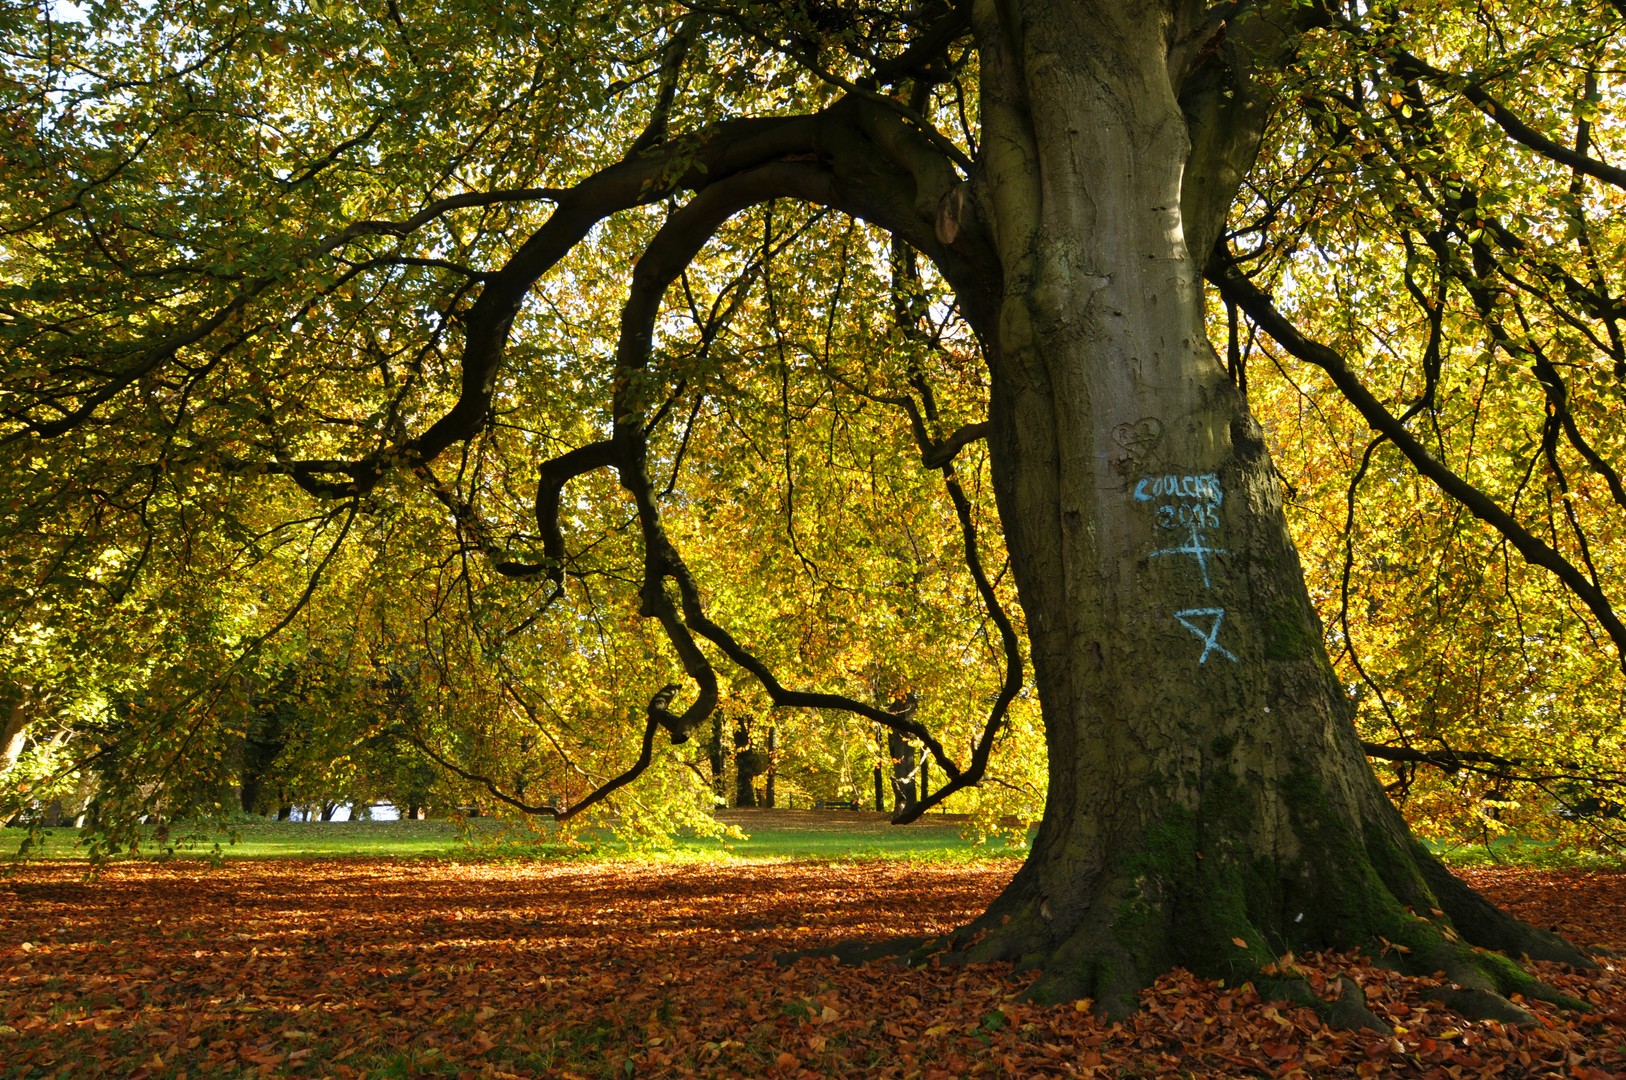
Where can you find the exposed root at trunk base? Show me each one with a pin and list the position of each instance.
(1348, 1009)
(1475, 983)
(1196, 897)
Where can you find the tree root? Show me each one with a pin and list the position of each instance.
(1465, 942)
(1476, 984)
(1196, 896)
(1349, 1009)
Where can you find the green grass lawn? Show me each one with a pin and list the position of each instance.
(1519, 850)
(771, 834)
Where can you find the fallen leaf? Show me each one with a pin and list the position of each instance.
(351, 958)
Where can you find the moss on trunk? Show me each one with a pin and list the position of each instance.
(1209, 803)
(1197, 895)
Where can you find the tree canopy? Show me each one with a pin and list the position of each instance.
(570, 379)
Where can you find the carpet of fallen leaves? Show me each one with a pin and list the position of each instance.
(351, 968)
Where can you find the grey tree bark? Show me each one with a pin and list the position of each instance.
(13, 732)
(1207, 786)
(21, 705)
(903, 771)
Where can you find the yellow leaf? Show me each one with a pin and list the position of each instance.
(1239, 943)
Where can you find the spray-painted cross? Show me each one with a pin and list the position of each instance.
(1197, 549)
(1208, 633)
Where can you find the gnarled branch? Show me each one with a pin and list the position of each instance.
(1237, 288)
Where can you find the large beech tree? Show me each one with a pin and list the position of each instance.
(359, 253)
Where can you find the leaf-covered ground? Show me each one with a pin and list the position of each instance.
(353, 968)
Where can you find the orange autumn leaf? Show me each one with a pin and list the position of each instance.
(342, 967)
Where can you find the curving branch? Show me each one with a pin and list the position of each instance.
(802, 158)
(1010, 643)
(672, 249)
(550, 486)
(1242, 292)
(1496, 766)
(852, 157)
(932, 45)
(1412, 67)
(597, 795)
(722, 150)
(941, 455)
(677, 51)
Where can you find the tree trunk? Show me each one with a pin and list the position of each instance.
(768, 778)
(903, 771)
(880, 781)
(1209, 804)
(716, 758)
(745, 793)
(13, 732)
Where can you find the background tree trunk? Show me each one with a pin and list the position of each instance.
(1209, 804)
(716, 758)
(880, 779)
(903, 771)
(768, 778)
(745, 795)
(13, 732)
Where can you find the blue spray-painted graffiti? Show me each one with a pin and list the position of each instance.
(1204, 486)
(1196, 547)
(1190, 503)
(1191, 619)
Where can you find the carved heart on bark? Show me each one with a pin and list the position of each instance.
(1139, 438)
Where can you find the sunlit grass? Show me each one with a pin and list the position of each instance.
(833, 837)
(1514, 849)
